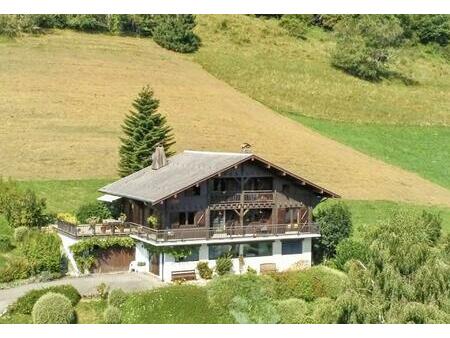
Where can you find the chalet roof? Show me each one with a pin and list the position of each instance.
(184, 170)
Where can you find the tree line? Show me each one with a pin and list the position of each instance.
(174, 32)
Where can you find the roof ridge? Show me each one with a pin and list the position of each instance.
(215, 152)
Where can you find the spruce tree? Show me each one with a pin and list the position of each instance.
(144, 128)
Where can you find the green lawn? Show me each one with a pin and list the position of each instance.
(424, 150)
(66, 195)
(90, 311)
(366, 213)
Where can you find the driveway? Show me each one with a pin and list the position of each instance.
(86, 285)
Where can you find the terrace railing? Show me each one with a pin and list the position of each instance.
(225, 233)
(188, 233)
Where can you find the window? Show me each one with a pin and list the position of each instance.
(285, 189)
(257, 249)
(194, 256)
(182, 218)
(191, 218)
(216, 251)
(291, 247)
(194, 191)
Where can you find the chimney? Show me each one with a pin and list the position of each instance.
(246, 148)
(159, 159)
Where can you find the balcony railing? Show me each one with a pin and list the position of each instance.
(188, 234)
(225, 233)
(232, 197)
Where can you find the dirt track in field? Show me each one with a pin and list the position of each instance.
(63, 97)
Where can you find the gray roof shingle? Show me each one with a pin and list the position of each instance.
(183, 170)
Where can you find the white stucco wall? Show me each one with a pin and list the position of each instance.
(66, 243)
(283, 262)
(142, 256)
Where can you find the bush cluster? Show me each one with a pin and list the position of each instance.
(175, 32)
(24, 305)
(53, 308)
(5, 243)
(21, 233)
(42, 250)
(117, 298)
(349, 249)
(296, 25)
(15, 268)
(309, 284)
(224, 265)
(204, 270)
(112, 315)
(95, 209)
(335, 225)
(22, 208)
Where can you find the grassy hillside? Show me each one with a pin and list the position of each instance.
(64, 96)
(295, 78)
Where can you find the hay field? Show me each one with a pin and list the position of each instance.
(63, 97)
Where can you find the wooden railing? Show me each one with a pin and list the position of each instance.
(253, 196)
(231, 232)
(187, 234)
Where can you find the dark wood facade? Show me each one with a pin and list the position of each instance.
(248, 194)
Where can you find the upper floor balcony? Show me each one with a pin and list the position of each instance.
(219, 199)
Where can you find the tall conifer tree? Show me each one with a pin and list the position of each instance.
(144, 128)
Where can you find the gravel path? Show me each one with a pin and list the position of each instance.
(86, 285)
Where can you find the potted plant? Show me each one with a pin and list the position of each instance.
(122, 218)
(104, 227)
(153, 222)
(93, 221)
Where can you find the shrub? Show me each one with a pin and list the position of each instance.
(364, 45)
(204, 270)
(335, 225)
(432, 224)
(432, 28)
(21, 233)
(174, 32)
(349, 249)
(5, 243)
(112, 315)
(324, 311)
(53, 308)
(223, 292)
(67, 217)
(95, 209)
(89, 22)
(256, 308)
(294, 311)
(224, 265)
(103, 290)
(42, 251)
(309, 284)
(117, 298)
(15, 268)
(49, 20)
(24, 305)
(26, 209)
(296, 25)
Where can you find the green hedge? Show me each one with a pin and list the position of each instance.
(42, 250)
(95, 209)
(24, 305)
(15, 268)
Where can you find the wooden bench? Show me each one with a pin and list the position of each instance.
(267, 268)
(184, 275)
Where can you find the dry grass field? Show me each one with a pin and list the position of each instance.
(63, 97)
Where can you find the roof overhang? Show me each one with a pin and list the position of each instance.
(108, 198)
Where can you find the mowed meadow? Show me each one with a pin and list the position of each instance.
(63, 97)
(403, 120)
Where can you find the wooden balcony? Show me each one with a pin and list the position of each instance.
(261, 198)
(189, 233)
(225, 233)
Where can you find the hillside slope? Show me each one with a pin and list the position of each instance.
(63, 97)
